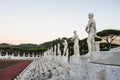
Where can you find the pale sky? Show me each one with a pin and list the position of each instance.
(38, 21)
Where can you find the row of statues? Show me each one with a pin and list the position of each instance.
(75, 39)
(90, 29)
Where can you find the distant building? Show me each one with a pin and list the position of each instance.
(5, 44)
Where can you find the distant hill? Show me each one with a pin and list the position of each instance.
(44, 46)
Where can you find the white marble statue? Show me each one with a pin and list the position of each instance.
(55, 50)
(0, 56)
(65, 52)
(52, 51)
(58, 50)
(91, 30)
(76, 43)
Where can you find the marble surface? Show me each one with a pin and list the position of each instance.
(43, 69)
(115, 49)
(106, 58)
(102, 66)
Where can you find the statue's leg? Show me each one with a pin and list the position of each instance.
(74, 49)
(93, 43)
(64, 52)
(77, 49)
(78, 52)
(89, 43)
(67, 52)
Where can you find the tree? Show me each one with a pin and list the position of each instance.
(109, 35)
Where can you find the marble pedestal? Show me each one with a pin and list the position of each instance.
(58, 58)
(104, 65)
(75, 59)
(49, 57)
(106, 57)
(65, 59)
(53, 57)
(97, 46)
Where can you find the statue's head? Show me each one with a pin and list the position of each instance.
(74, 31)
(90, 15)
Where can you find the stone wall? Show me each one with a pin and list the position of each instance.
(93, 70)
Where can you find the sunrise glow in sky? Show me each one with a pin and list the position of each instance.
(38, 21)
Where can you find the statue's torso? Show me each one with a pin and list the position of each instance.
(76, 39)
(91, 28)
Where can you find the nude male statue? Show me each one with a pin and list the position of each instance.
(55, 50)
(91, 30)
(76, 43)
(65, 52)
(58, 50)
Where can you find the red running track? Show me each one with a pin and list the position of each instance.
(12, 71)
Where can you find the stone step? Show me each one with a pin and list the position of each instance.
(44, 69)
